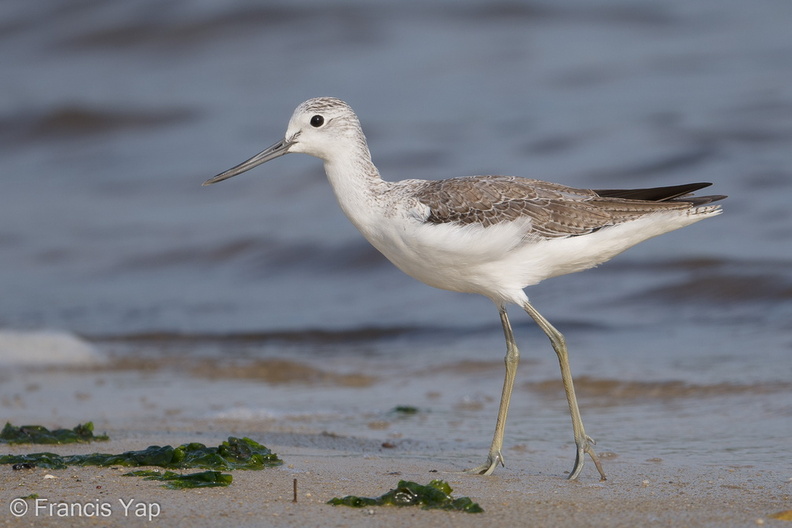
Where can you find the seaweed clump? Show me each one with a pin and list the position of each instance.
(38, 434)
(435, 495)
(204, 479)
(235, 453)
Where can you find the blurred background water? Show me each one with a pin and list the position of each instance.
(113, 113)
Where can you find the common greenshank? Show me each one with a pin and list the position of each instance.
(492, 235)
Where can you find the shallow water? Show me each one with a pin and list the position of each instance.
(115, 114)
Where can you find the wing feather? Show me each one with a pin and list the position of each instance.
(553, 210)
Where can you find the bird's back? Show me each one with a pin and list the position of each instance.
(554, 210)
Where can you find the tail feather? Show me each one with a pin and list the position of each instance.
(673, 193)
(697, 201)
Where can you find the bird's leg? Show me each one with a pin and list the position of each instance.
(582, 440)
(512, 358)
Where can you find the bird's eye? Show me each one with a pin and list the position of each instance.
(317, 121)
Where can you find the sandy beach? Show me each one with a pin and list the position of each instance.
(644, 494)
(641, 490)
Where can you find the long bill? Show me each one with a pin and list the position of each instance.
(278, 149)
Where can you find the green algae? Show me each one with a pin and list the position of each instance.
(235, 453)
(38, 434)
(32, 496)
(204, 479)
(435, 495)
(405, 410)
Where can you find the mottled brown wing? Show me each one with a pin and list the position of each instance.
(554, 210)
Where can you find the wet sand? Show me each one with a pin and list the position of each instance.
(635, 495)
(641, 490)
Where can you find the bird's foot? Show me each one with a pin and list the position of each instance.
(493, 459)
(585, 447)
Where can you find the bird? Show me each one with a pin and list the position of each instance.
(490, 235)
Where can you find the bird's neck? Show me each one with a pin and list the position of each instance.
(357, 185)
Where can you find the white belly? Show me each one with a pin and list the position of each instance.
(497, 261)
